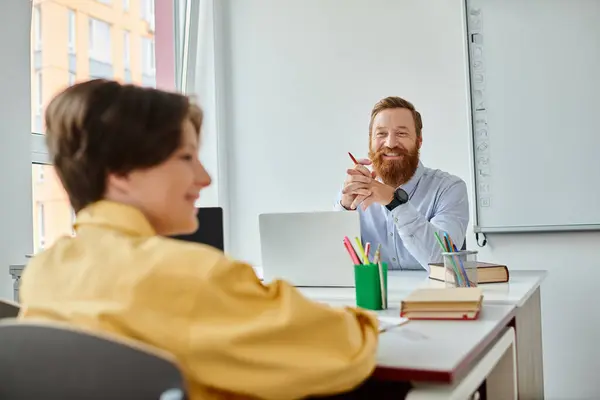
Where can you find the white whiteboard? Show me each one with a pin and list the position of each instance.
(535, 99)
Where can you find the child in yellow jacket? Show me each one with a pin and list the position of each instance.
(127, 157)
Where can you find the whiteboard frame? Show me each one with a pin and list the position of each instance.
(537, 228)
(473, 170)
(477, 228)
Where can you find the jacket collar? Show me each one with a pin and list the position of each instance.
(117, 216)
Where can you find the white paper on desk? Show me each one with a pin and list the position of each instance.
(386, 322)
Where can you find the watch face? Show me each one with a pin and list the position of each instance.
(402, 195)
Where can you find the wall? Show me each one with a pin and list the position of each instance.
(299, 79)
(302, 79)
(15, 133)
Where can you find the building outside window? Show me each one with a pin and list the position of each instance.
(53, 216)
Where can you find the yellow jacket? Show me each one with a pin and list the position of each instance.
(231, 334)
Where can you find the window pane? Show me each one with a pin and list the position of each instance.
(66, 56)
(52, 213)
(128, 57)
(72, 31)
(99, 47)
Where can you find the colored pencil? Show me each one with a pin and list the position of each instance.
(456, 269)
(352, 251)
(437, 236)
(377, 257)
(367, 249)
(462, 267)
(353, 159)
(361, 250)
(445, 249)
(382, 287)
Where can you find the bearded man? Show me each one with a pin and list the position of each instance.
(401, 202)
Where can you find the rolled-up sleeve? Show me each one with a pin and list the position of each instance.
(269, 341)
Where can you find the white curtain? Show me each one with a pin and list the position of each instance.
(195, 68)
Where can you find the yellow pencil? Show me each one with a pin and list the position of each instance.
(360, 248)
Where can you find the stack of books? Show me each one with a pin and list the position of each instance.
(447, 303)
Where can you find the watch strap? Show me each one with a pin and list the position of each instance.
(397, 200)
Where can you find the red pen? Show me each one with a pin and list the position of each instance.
(353, 159)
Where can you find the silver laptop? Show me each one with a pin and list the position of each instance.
(307, 249)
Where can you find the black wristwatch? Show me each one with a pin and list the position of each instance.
(400, 197)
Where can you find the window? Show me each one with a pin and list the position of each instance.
(72, 30)
(50, 208)
(39, 95)
(148, 12)
(100, 48)
(37, 27)
(41, 226)
(52, 212)
(148, 58)
(126, 51)
(40, 173)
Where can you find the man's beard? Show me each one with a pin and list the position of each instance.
(395, 172)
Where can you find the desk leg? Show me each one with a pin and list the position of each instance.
(530, 367)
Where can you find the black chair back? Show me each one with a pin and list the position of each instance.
(210, 228)
(39, 361)
(9, 309)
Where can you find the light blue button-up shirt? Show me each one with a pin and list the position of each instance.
(438, 202)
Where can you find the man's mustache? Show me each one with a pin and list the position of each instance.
(401, 151)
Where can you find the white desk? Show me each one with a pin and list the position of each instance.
(450, 359)
(522, 291)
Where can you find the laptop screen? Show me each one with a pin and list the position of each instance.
(210, 230)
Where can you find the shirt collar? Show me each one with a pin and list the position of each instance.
(117, 216)
(412, 182)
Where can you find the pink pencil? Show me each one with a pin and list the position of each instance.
(367, 248)
(352, 253)
(351, 250)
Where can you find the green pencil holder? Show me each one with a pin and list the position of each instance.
(367, 286)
